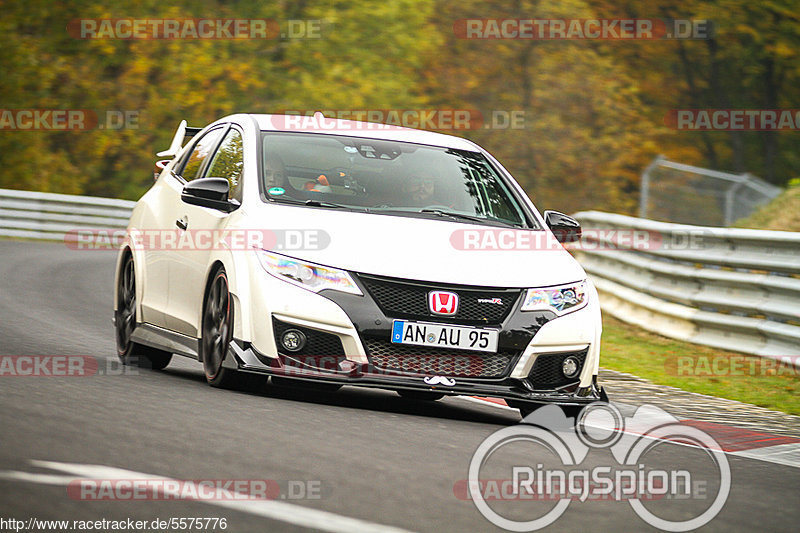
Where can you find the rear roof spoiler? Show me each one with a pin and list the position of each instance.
(182, 134)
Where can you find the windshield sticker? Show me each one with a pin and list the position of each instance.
(350, 149)
(276, 191)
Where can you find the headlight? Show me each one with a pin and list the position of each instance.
(307, 275)
(561, 300)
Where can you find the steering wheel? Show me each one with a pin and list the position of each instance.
(438, 207)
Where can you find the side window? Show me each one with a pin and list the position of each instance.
(228, 163)
(202, 149)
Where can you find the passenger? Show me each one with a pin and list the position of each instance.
(318, 185)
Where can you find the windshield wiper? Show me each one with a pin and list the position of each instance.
(317, 203)
(452, 214)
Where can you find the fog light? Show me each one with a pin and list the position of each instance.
(570, 367)
(293, 340)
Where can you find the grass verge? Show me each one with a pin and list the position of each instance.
(702, 369)
(782, 213)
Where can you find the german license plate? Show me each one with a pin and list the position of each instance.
(444, 336)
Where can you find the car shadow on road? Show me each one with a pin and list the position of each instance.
(391, 402)
(366, 399)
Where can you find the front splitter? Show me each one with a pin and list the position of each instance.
(508, 388)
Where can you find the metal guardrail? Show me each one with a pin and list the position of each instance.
(735, 289)
(48, 216)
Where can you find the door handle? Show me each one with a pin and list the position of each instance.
(182, 223)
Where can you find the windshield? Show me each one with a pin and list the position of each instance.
(386, 177)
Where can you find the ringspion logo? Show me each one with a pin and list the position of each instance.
(633, 476)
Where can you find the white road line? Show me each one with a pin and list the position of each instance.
(35, 477)
(274, 510)
(781, 454)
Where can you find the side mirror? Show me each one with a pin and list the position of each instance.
(209, 192)
(564, 227)
(159, 167)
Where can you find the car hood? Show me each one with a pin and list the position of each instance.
(435, 250)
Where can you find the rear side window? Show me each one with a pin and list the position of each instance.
(203, 148)
(228, 163)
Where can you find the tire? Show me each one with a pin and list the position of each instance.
(216, 336)
(132, 353)
(420, 395)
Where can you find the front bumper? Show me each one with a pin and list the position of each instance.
(247, 359)
(357, 322)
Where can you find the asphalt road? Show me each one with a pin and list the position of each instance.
(371, 455)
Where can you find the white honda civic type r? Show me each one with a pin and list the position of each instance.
(328, 252)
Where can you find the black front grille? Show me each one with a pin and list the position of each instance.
(318, 343)
(404, 359)
(546, 372)
(405, 299)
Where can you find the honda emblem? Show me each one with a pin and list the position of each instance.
(443, 302)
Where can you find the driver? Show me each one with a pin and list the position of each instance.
(419, 190)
